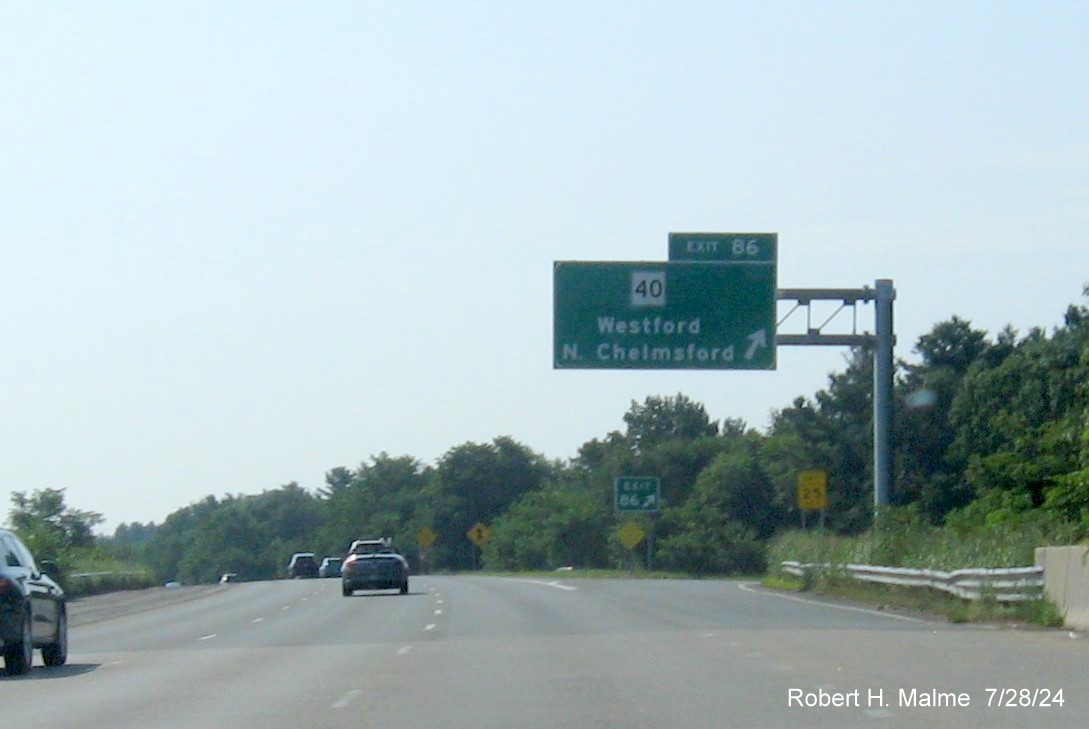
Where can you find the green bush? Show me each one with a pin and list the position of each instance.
(729, 549)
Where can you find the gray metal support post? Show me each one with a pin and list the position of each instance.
(882, 342)
(882, 392)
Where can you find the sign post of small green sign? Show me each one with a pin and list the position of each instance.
(663, 315)
(638, 493)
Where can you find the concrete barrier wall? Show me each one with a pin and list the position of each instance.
(1066, 581)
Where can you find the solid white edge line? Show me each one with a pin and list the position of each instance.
(747, 587)
(552, 583)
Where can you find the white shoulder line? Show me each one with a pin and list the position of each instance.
(748, 587)
(545, 583)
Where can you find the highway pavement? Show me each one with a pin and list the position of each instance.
(476, 652)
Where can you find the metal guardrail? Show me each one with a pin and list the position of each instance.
(1014, 584)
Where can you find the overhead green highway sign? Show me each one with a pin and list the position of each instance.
(663, 315)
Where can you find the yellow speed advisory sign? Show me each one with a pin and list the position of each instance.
(812, 490)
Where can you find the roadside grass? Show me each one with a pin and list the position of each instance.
(1041, 612)
(95, 576)
(902, 539)
(783, 583)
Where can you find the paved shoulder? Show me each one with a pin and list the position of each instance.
(110, 605)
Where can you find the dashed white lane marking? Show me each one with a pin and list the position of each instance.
(403, 650)
(429, 626)
(286, 607)
(257, 620)
(207, 637)
(346, 700)
(438, 612)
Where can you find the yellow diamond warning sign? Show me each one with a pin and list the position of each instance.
(479, 535)
(630, 534)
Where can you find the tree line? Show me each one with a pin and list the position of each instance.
(989, 433)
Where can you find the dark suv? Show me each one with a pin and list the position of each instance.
(33, 612)
(303, 564)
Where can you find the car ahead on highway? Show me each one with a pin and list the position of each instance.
(330, 567)
(373, 565)
(371, 546)
(33, 611)
(303, 564)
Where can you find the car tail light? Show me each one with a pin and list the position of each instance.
(5, 585)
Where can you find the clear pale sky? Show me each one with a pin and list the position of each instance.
(244, 243)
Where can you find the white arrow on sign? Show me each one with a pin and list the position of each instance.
(757, 340)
